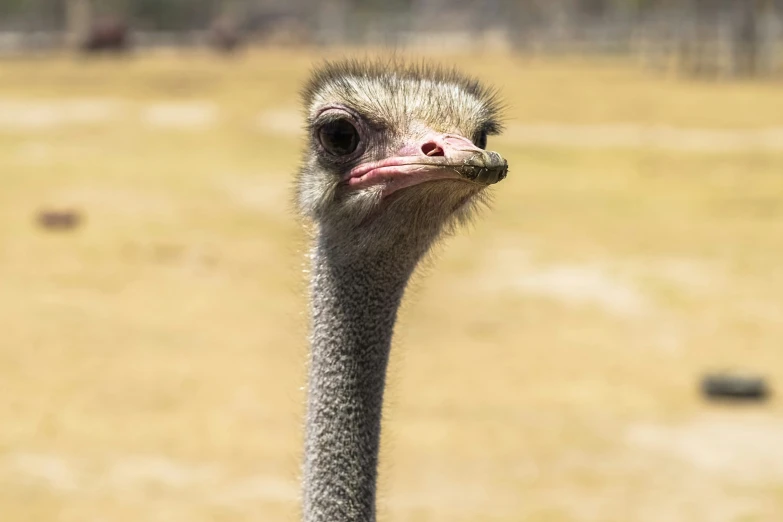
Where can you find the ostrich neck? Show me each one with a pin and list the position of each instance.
(354, 308)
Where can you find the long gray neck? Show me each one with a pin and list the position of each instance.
(354, 307)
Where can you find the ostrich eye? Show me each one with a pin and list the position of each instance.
(481, 139)
(339, 137)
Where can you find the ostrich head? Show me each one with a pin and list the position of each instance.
(396, 154)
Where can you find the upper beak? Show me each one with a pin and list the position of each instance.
(436, 156)
(465, 158)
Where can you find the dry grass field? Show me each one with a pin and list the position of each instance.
(547, 361)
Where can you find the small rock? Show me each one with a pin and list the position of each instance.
(734, 387)
(59, 219)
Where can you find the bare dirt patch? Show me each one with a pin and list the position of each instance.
(34, 115)
(134, 476)
(181, 115)
(574, 285)
(738, 448)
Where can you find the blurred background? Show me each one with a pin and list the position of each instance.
(549, 366)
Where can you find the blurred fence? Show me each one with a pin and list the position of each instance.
(702, 37)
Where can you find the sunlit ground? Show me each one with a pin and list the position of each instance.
(545, 369)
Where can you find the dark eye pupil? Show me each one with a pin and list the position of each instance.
(481, 140)
(339, 137)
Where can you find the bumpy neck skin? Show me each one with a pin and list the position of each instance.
(354, 308)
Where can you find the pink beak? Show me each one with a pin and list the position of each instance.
(437, 156)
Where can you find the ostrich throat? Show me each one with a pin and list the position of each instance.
(354, 309)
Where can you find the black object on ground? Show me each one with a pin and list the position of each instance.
(59, 219)
(734, 387)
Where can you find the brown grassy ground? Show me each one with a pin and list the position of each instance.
(545, 369)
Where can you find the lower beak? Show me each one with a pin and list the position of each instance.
(478, 166)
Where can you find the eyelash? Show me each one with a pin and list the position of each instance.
(480, 139)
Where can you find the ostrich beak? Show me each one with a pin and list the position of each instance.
(436, 157)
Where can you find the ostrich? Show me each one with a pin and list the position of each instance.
(107, 34)
(224, 35)
(395, 158)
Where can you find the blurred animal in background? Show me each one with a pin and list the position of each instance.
(224, 35)
(396, 159)
(107, 34)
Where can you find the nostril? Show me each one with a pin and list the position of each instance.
(432, 149)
